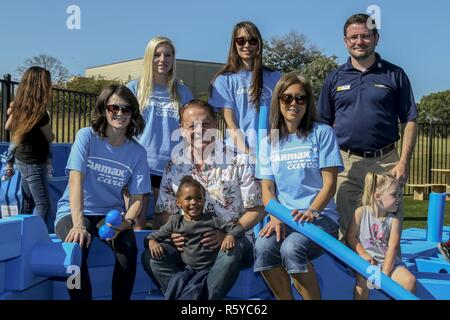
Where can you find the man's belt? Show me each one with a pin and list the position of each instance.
(370, 154)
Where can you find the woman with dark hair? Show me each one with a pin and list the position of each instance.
(29, 123)
(243, 85)
(160, 96)
(104, 160)
(299, 163)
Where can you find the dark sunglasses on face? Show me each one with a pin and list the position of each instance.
(287, 99)
(114, 109)
(242, 41)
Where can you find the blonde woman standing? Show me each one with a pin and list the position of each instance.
(160, 96)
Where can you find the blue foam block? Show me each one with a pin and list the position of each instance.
(433, 286)
(20, 275)
(10, 239)
(50, 259)
(2, 277)
(412, 248)
(432, 264)
(435, 221)
(60, 154)
(39, 291)
(247, 285)
(59, 290)
(56, 188)
(10, 194)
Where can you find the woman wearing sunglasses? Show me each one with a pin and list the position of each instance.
(160, 97)
(243, 85)
(104, 160)
(299, 163)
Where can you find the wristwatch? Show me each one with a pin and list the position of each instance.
(132, 222)
(315, 212)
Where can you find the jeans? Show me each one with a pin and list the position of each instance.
(125, 252)
(294, 252)
(221, 278)
(34, 189)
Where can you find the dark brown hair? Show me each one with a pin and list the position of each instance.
(189, 181)
(234, 62)
(197, 103)
(276, 118)
(100, 123)
(31, 101)
(360, 18)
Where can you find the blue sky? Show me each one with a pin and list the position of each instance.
(414, 34)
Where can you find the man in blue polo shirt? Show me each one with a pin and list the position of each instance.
(364, 100)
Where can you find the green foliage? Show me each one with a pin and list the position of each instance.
(317, 71)
(435, 107)
(92, 84)
(292, 52)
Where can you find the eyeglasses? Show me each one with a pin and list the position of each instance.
(114, 109)
(364, 37)
(287, 99)
(242, 41)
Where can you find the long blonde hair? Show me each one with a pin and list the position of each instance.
(375, 182)
(145, 86)
(33, 96)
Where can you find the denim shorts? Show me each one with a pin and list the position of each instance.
(294, 252)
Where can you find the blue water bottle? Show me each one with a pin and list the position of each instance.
(114, 218)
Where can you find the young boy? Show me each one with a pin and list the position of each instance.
(193, 223)
(190, 283)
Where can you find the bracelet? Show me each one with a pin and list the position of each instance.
(79, 226)
(315, 212)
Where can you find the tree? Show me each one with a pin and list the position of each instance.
(292, 52)
(89, 84)
(435, 107)
(59, 73)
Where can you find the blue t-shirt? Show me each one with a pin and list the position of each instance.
(161, 121)
(365, 107)
(295, 166)
(107, 170)
(231, 90)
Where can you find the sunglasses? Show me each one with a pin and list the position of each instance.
(287, 99)
(114, 109)
(242, 41)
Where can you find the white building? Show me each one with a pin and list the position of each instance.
(197, 75)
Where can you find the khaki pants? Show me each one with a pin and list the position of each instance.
(350, 184)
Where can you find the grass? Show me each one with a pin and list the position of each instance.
(416, 213)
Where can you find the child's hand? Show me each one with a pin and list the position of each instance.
(228, 243)
(369, 259)
(156, 250)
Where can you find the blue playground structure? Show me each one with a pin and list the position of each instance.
(35, 264)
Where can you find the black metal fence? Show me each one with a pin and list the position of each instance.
(69, 110)
(72, 110)
(432, 151)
